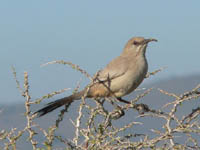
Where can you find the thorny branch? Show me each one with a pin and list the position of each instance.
(101, 131)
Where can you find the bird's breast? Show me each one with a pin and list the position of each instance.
(131, 79)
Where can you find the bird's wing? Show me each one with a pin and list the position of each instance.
(116, 68)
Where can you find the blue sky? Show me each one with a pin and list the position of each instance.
(90, 34)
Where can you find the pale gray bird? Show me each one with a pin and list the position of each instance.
(119, 78)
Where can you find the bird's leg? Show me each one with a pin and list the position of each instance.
(122, 100)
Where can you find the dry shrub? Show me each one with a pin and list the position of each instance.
(94, 127)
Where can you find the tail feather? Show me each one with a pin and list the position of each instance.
(58, 103)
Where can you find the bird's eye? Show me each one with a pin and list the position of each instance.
(135, 43)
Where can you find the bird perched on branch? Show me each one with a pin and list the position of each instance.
(119, 78)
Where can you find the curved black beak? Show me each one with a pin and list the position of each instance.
(149, 40)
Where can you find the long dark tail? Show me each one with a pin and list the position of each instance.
(58, 103)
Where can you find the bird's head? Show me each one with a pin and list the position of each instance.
(137, 45)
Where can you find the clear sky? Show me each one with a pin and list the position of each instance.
(90, 34)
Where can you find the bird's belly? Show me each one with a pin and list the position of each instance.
(128, 82)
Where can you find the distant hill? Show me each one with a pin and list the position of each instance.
(12, 116)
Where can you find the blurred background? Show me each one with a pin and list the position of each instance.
(90, 34)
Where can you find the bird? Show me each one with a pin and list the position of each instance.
(119, 78)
